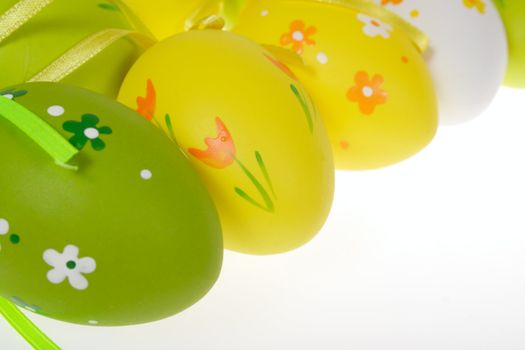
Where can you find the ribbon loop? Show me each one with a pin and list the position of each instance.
(84, 51)
(206, 11)
(210, 22)
(74, 58)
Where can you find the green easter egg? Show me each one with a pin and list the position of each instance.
(129, 237)
(513, 14)
(93, 28)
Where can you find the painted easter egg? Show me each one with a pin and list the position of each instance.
(366, 77)
(467, 55)
(249, 128)
(88, 43)
(513, 14)
(124, 233)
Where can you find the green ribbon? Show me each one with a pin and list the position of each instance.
(38, 130)
(25, 327)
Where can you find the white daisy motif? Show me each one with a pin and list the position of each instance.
(68, 265)
(374, 27)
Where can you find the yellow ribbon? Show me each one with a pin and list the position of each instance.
(74, 58)
(81, 53)
(206, 16)
(19, 14)
(210, 22)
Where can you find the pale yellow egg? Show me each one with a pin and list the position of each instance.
(368, 79)
(249, 128)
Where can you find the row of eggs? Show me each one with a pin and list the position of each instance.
(253, 132)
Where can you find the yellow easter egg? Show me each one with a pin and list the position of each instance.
(249, 128)
(368, 79)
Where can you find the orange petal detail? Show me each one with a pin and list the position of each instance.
(221, 149)
(282, 67)
(367, 92)
(146, 105)
(298, 36)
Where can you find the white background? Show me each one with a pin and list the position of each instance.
(428, 254)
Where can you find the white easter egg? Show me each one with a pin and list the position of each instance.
(467, 55)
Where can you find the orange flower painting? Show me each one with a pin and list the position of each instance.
(221, 153)
(146, 105)
(367, 92)
(298, 36)
(221, 149)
